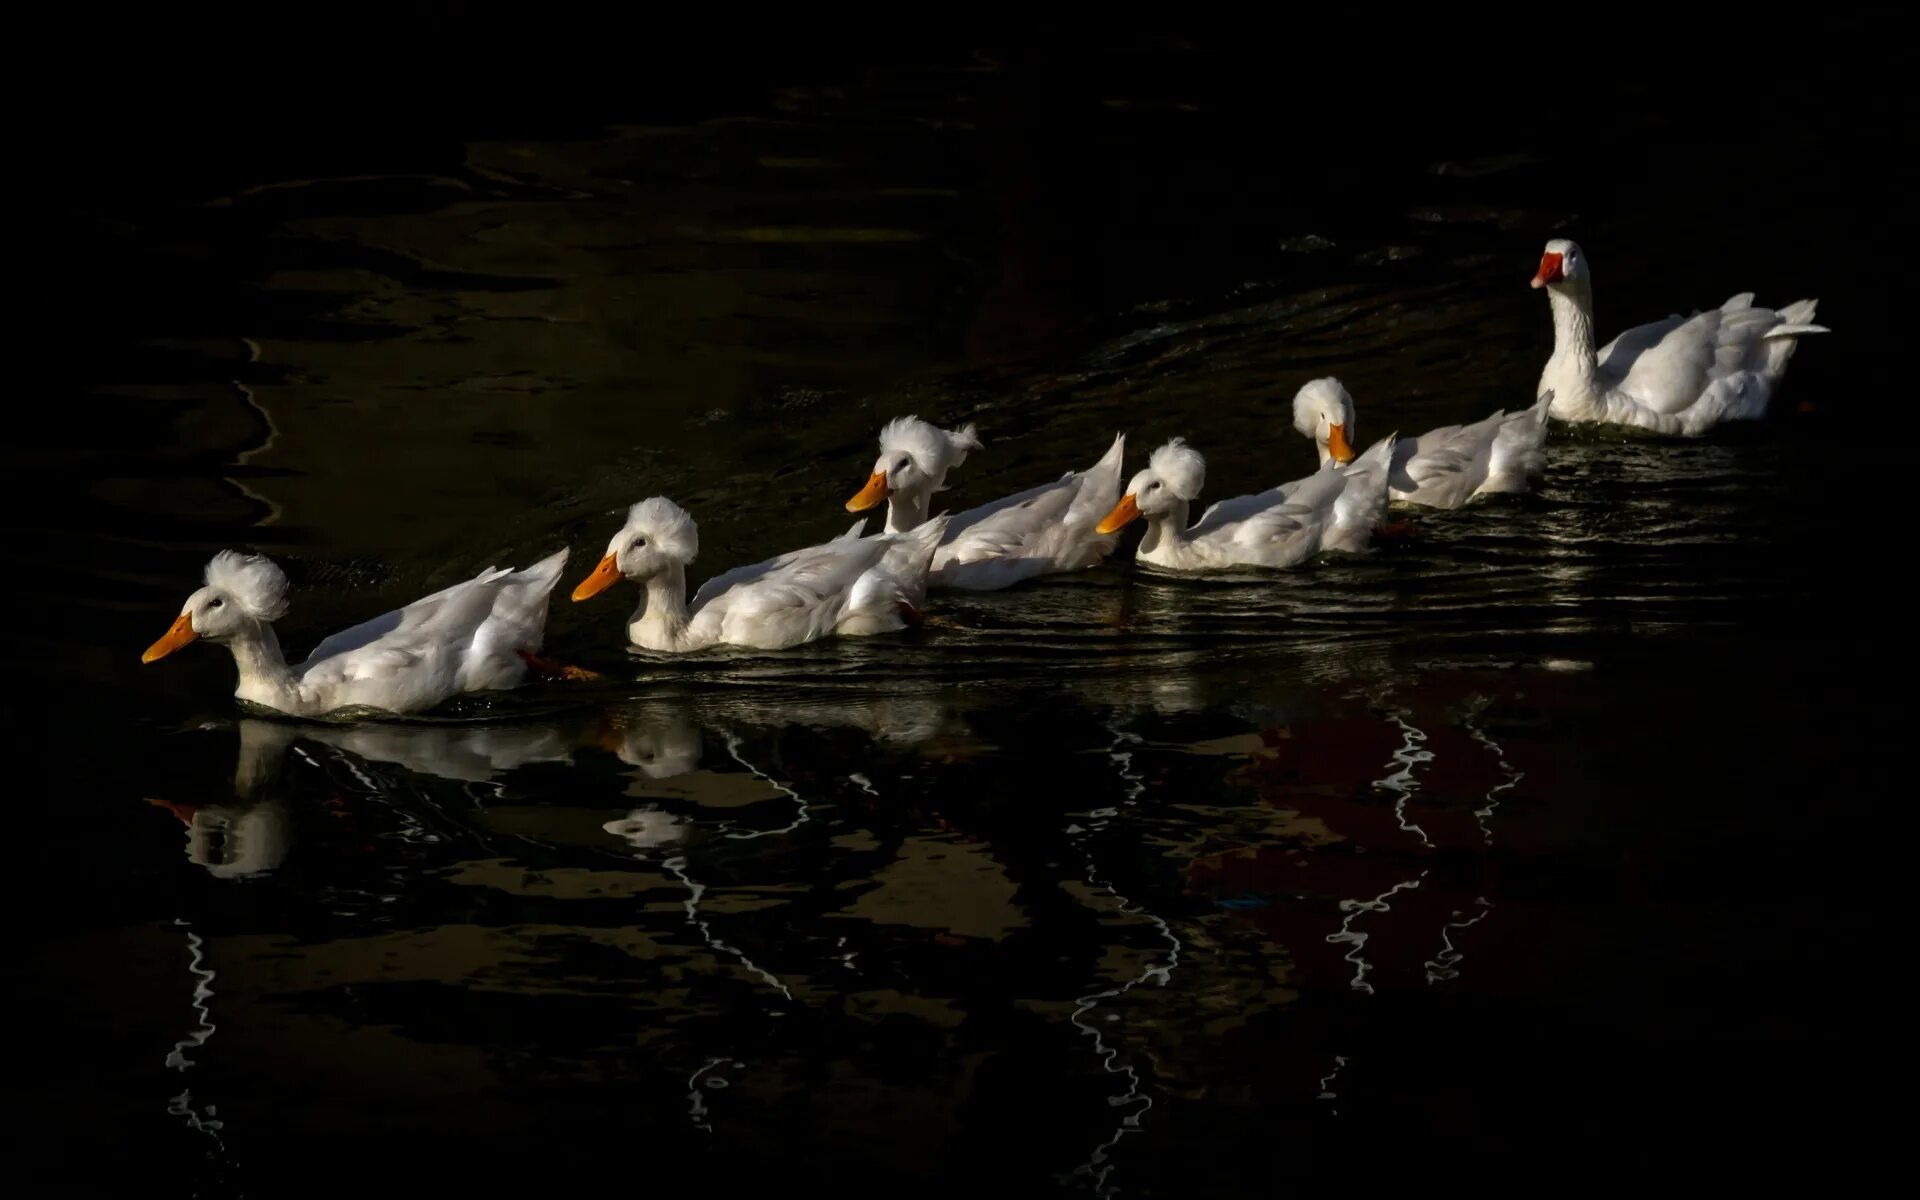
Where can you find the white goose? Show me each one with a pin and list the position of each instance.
(849, 587)
(1333, 509)
(1041, 531)
(1682, 375)
(1443, 468)
(475, 636)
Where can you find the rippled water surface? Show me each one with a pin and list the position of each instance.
(1527, 842)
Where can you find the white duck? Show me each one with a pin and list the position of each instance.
(1682, 375)
(850, 587)
(475, 636)
(1041, 531)
(1334, 509)
(1443, 468)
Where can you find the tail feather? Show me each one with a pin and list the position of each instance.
(1519, 450)
(1796, 319)
(1363, 499)
(545, 573)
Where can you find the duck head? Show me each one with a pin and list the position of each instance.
(1323, 411)
(1173, 477)
(915, 457)
(243, 592)
(658, 536)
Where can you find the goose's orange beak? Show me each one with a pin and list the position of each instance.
(1123, 514)
(604, 576)
(870, 495)
(1549, 272)
(178, 636)
(1337, 444)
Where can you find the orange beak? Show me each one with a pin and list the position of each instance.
(604, 576)
(1123, 514)
(1549, 272)
(1337, 444)
(181, 633)
(870, 495)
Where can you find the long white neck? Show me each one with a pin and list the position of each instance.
(1572, 372)
(265, 677)
(1166, 537)
(660, 623)
(907, 510)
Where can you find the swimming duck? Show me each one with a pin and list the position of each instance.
(1443, 468)
(479, 635)
(1041, 531)
(849, 587)
(1335, 508)
(1682, 375)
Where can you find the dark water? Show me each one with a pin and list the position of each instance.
(1538, 843)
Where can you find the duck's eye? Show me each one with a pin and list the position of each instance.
(639, 543)
(217, 602)
(1154, 486)
(901, 465)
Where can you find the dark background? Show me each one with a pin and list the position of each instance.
(1074, 191)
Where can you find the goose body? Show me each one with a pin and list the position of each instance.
(470, 637)
(1042, 531)
(848, 587)
(1444, 467)
(1335, 508)
(1681, 376)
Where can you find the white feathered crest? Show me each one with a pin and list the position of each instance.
(1180, 467)
(254, 581)
(671, 529)
(1323, 395)
(935, 451)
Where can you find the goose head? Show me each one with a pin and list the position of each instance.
(1174, 476)
(1323, 411)
(1563, 265)
(915, 457)
(243, 592)
(658, 536)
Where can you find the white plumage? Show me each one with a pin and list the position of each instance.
(848, 587)
(1444, 467)
(469, 637)
(1041, 531)
(1683, 375)
(1336, 508)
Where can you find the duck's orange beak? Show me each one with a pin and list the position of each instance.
(604, 576)
(1337, 444)
(870, 495)
(1549, 272)
(1123, 514)
(178, 636)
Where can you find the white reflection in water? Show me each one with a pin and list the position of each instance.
(1133, 1103)
(802, 813)
(1326, 1082)
(205, 1120)
(648, 828)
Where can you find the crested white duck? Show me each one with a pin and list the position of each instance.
(1335, 508)
(1041, 531)
(478, 635)
(1682, 375)
(848, 587)
(1444, 467)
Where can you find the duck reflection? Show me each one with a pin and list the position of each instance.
(249, 835)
